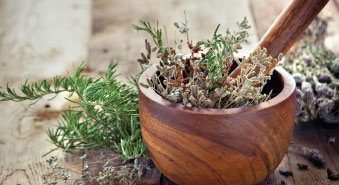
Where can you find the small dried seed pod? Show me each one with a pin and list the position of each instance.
(192, 100)
(159, 67)
(148, 49)
(149, 82)
(145, 60)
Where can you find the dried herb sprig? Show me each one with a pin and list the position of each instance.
(312, 155)
(128, 172)
(331, 175)
(155, 32)
(302, 166)
(105, 113)
(285, 173)
(200, 78)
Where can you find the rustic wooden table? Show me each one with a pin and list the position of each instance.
(40, 39)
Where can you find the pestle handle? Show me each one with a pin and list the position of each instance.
(288, 27)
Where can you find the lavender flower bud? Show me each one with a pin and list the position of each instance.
(308, 96)
(324, 107)
(298, 78)
(299, 94)
(327, 110)
(303, 116)
(308, 61)
(324, 90)
(299, 102)
(311, 81)
(316, 157)
(324, 78)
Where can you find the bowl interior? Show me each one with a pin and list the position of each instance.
(282, 84)
(275, 84)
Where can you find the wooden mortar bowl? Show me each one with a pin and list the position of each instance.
(218, 146)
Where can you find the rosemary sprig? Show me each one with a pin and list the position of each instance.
(155, 32)
(105, 113)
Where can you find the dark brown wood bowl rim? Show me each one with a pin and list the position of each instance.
(286, 92)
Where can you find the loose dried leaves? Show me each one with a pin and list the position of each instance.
(331, 175)
(285, 173)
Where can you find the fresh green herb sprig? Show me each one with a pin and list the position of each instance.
(155, 32)
(104, 114)
(220, 56)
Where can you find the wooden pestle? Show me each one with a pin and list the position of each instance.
(288, 27)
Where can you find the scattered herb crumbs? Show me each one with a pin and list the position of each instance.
(331, 140)
(315, 157)
(302, 166)
(285, 173)
(331, 175)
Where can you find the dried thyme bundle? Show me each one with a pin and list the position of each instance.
(201, 78)
(316, 72)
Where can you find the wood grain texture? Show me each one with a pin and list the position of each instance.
(38, 39)
(312, 135)
(288, 27)
(215, 146)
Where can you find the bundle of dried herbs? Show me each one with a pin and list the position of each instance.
(316, 72)
(201, 77)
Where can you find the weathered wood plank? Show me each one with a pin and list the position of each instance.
(270, 180)
(323, 134)
(276, 178)
(305, 134)
(95, 161)
(151, 177)
(38, 39)
(166, 181)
